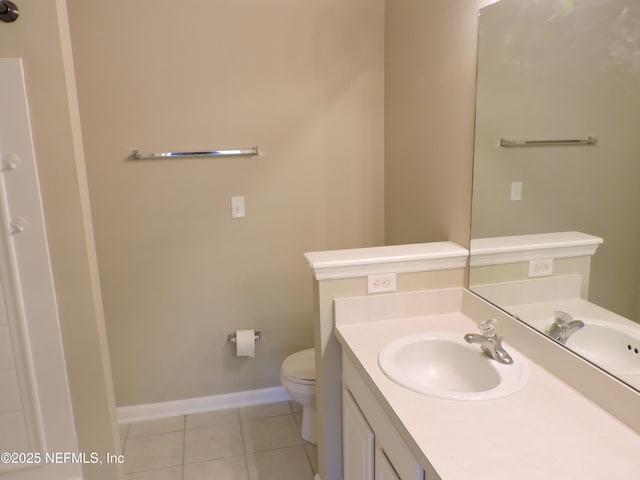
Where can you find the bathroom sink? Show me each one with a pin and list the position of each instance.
(443, 365)
(614, 347)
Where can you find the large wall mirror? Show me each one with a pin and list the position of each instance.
(556, 186)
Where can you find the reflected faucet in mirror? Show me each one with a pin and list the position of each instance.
(563, 327)
(555, 70)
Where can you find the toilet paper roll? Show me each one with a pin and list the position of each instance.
(246, 343)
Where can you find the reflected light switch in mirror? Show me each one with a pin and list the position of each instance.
(516, 191)
(237, 207)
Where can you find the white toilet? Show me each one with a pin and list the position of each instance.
(298, 377)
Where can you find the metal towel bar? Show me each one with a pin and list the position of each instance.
(535, 143)
(137, 155)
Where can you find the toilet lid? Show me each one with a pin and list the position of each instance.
(301, 366)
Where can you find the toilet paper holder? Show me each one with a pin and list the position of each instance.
(231, 337)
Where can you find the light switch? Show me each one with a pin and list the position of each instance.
(237, 207)
(516, 191)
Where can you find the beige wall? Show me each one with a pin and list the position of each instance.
(430, 50)
(568, 79)
(304, 82)
(518, 272)
(40, 38)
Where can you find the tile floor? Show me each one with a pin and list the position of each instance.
(262, 442)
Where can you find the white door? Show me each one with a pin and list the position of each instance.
(37, 437)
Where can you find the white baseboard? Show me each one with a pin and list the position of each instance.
(152, 411)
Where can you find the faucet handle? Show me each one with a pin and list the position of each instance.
(488, 327)
(563, 318)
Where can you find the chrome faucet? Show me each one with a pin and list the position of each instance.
(490, 343)
(563, 327)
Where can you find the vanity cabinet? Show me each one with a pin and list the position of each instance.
(372, 447)
(384, 469)
(357, 441)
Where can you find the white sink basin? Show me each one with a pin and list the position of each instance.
(444, 365)
(615, 348)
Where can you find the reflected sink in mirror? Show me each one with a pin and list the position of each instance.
(443, 365)
(551, 70)
(614, 347)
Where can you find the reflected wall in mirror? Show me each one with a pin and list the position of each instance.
(556, 226)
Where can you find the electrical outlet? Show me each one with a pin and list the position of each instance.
(381, 283)
(541, 268)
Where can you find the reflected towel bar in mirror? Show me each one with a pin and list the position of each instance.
(137, 155)
(539, 143)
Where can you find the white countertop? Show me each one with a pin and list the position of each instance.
(545, 431)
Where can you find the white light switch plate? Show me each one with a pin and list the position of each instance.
(516, 191)
(237, 207)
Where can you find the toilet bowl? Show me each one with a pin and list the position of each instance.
(298, 377)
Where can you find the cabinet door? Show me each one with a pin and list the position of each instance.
(384, 470)
(357, 441)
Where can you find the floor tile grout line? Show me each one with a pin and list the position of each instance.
(155, 469)
(306, 452)
(292, 413)
(244, 447)
(123, 442)
(184, 446)
(304, 443)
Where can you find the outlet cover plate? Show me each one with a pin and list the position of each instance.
(541, 268)
(381, 283)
